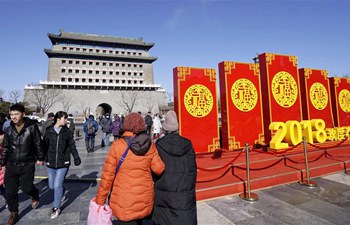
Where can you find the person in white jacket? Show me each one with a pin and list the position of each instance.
(157, 126)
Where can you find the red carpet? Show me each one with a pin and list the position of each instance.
(227, 174)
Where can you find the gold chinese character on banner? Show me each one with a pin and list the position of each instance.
(284, 89)
(318, 96)
(244, 95)
(344, 100)
(198, 100)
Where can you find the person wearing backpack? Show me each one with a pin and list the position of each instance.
(106, 126)
(149, 123)
(90, 128)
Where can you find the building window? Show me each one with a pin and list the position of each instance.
(141, 74)
(129, 73)
(104, 51)
(123, 73)
(83, 80)
(97, 80)
(110, 72)
(116, 52)
(117, 81)
(135, 74)
(123, 81)
(77, 62)
(63, 79)
(111, 81)
(117, 64)
(77, 80)
(63, 70)
(71, 49)
(70, 62)
(84, 71)
(70, 71)
(63, 61)
(129, 65)
(103, 72)
(84, 63)
(135, 81)
(90, 63)
(129, 81)
(128, 53)
(97, 63)
(135, 65)
(140, 66)
(123, 52)
(123, 65)
(134, 53)
(76, 71)
(64, 48)
(78, 49)
(90, 71)
(97, 50)
(140, 53)
(91, 50)
(104, 81)
(90, 80)
(110, 51)
(117, 73)
(84, 49)
(69, 79)
(141, 82)
(97, 72)
(103, 64)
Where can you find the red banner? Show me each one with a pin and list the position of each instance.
(195, 102)
(280, 89)
(340, 95)
(241, 110)
(315, 95)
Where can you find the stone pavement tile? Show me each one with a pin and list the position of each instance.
(207, 215)
(339, 177)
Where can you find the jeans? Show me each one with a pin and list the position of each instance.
(106, 137)
(19, 176)
(90, 143)
(56, 179)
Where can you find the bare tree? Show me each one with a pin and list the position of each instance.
(170, 96)
(2, 93)
(128, 101)
(66, 103)
(15, 95)
(149, 103)
(44, 99)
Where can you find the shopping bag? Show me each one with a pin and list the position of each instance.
(99, 215)
(2, 176)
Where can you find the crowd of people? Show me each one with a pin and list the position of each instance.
(156, 180)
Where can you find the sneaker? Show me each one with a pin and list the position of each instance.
(35, 203)
(55, 213)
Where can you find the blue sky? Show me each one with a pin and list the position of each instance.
(186, 33)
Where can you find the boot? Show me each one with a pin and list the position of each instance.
(13, 218)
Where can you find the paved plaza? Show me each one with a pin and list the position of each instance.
(328, 203)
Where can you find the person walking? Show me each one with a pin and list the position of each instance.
(149, 123)
(116, 127)
(22, 148)
(47, 123)
(106, 126)
(90, 128)
(71, 124)
(133, 191)
(59, 144)
(175, 195)
(2, 170)
(157, 126)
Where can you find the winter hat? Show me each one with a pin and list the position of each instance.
(170, 122)
(135, 123)
(51, 114)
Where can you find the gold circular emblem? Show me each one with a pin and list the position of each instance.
(284, 89)
(244, 95)
(344, 100)
(198, 100)
(318, 96)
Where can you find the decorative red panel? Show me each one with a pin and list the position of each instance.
(316, 101)
(241, 110)
(340, 95)
(280, 89)
(196, 105)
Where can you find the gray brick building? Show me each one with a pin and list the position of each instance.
(95, 74)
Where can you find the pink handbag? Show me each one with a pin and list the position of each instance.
(99, 215)
(2, 177)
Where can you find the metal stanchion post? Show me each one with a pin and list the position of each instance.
(306, 182)
(248, 196)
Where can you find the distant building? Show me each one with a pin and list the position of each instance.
(97, 74)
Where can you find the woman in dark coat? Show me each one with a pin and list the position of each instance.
(59, 144)
(175, 195)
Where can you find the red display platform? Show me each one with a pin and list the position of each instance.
(241, 110)
(196, 104)
(340, 95)
(227, 175)
(280, 89)
(315, 92)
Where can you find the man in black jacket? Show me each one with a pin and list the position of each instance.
(175, 194)
(22, 148)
